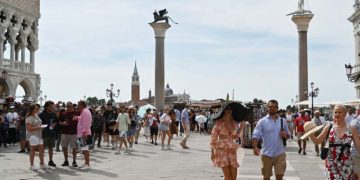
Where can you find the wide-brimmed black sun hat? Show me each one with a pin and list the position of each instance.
(239, 112)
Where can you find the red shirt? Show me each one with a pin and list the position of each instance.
(299, 123)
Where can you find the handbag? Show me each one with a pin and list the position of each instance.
(84, 141)
(325, 150)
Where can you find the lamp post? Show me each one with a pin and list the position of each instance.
(312, 94)
(111, 94)
(41, 98)
(349, 73)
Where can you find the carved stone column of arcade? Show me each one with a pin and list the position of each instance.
(302, 22)
(159, 30)
(12, 41)
(34, 46)
(23, 44)
(2, 39)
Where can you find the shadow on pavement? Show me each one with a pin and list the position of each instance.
(54, 173)
(101, 172)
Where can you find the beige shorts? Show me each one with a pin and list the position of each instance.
(68, 140)
(299, 134)
(356, 163)
(278, 162)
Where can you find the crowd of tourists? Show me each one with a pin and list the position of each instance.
(75, 128)
(339, 140)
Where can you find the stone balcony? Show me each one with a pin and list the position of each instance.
(17, 66)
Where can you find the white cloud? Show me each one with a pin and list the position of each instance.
(248, 45)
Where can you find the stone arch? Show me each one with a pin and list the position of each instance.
(16, 17)
(28, 87)
(6, 13)
(5, 88)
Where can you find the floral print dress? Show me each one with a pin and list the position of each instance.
(339, 165)
(223, 141)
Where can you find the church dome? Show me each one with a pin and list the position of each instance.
(168, 91)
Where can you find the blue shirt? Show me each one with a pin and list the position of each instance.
(185, 116)
(178, 115)
(269, 131)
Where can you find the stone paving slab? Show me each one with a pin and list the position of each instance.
(148, 162)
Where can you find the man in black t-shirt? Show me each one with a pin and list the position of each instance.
(22, 128)
(107, 117)
(48, 117)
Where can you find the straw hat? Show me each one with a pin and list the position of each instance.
(310, 128)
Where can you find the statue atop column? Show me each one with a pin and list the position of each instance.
(356, 5)
(301, 5)
(161, 16)
(301, 8)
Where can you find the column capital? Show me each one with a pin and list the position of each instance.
(302, 21)
(160, 29)
(12, 36)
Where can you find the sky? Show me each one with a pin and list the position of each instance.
(250, 46)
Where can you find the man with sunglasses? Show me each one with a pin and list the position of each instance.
(273, 151)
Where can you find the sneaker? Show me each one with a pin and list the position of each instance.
(300, 150)
(74, 164)
(51, 163)
(169, 148)
(186, 147)
(127, 151)
(33, 168)
(132, 149)
(155, 144)
(163, 148)
(43, 166)
(84, 167)
(66, 163)
(22, 151)
(118, 152)
(304, 153)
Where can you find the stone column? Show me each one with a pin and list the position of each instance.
(17, 49)
(32, 60)
(23, 56)
(1, 52)
(12, 55)
(159, 29)
(302, 22)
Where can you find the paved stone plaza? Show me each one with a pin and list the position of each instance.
(149, 162)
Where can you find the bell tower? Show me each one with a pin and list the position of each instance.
(135, 86)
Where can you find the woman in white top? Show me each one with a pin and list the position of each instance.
(34, 132)
(290, 122)
(165, 121)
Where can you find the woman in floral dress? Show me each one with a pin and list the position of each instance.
(338, 164)
(223, 136)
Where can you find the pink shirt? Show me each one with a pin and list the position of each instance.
(84, 123)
